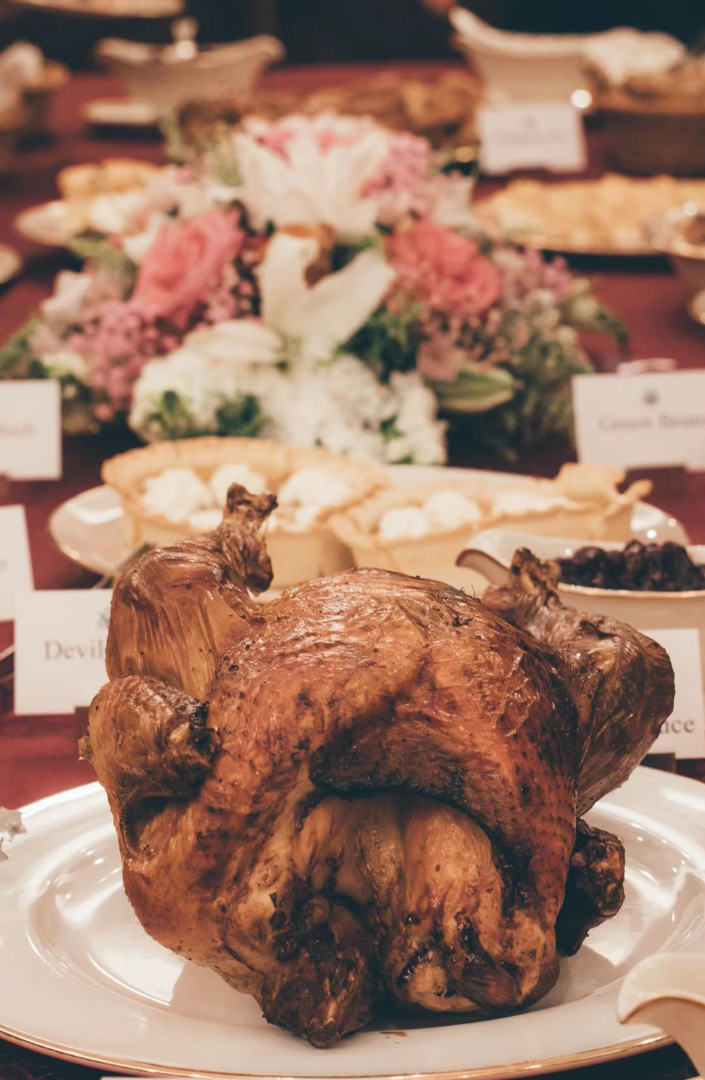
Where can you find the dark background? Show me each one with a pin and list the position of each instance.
(326, 30)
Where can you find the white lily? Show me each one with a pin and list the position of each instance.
(312, 182)
(299, 321)
(341, 405)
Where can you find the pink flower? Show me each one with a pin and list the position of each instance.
(406, 166)
(185, 265)
(440, 356)
(443, 270)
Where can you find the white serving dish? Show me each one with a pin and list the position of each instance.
(90, 530)
(551, 67)
(66, 926)
(687, 259)
(489, 556)
(166, 77)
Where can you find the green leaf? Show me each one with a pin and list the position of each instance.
(388, 341)
(17, 358)
(345, 253)
(171, 418)
(475, 391)
(241, 415)
(106, 257)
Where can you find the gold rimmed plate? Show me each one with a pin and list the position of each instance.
(127, 1004)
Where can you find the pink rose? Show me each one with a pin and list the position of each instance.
(443, 270)
(184, 266)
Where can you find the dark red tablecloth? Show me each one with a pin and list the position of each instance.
(38, 755)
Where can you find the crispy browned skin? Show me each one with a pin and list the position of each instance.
(614, 674)
(365, 789)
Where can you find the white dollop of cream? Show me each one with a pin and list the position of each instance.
(315, 489)
(235, 472)
(205, 520)
(403, 523)
(519, 503)
(176, 494)
(451, 509)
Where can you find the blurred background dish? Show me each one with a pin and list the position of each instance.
(10, 264)
(120, 112)
(28, 79)
(696, 308)
(165, 76)
(51, 224)
(106, 9)
(440, 107)
(680, 235)
(540, 67)
(13, 124)
(606, 216)
(58, 222)
(655, 121)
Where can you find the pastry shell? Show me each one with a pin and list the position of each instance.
(297, 554)
(112, 175)
(596, 510)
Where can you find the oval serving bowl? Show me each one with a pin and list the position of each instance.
(489, 556)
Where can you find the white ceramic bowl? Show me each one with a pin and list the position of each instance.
(686, 258)
(490, 554)
(489, 558)
(160, 77)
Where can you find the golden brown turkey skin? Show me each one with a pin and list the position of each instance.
(620, 680)
(374, 797)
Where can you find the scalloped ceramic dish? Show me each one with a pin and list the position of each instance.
(298, 554)
(583, 501)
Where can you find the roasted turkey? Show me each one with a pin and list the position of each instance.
(370, 788)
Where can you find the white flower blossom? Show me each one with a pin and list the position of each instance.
(136, 245)
(65, 306)
(66, 363)
(299, 321)
(311, 182)
(113, 213)
(286, 362)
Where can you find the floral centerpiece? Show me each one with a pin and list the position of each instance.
(316, 280)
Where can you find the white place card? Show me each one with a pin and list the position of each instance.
(640, 420)
(15, 559)
(60, 640)
(683, 734)
(30, 429)
(536, 135)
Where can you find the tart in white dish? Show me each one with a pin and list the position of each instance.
(420, 529)
(173, 490)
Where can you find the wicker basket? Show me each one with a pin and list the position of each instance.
(644, 140)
